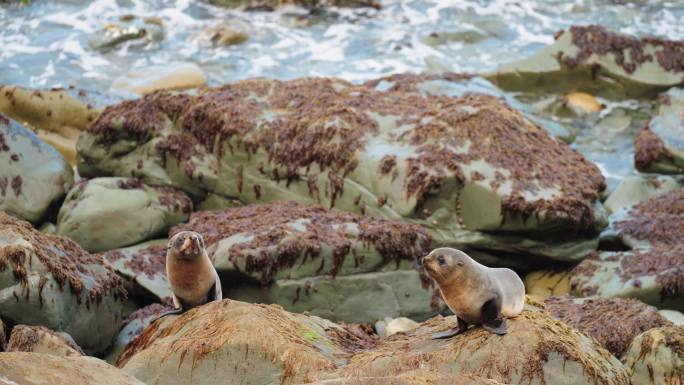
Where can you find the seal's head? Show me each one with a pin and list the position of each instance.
(186, 245)
(446, 264)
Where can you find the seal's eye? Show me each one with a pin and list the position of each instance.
(441, 260)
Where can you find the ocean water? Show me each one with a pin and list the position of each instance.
(46, 44)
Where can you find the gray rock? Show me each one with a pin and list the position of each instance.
(33, 176)
(49, 280)
(107, 213)
(39, 339)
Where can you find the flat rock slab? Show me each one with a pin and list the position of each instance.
(289, 240)
(51, 281)
(357, 149)
(594, 60)
(40, 369)
(33, 174)
(107, 213)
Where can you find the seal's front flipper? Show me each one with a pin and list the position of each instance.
(492, 320)
(462, 327)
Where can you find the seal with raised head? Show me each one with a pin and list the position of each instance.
(192, 277)
(477, 294)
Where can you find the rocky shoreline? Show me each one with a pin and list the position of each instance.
(316, 197)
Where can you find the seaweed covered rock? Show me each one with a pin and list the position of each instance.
(656, 357)
(545, 283)
(653, 270)
(614, 322)
(594, 60)
(314, 259)
(39, 369)
(536, 350)
(133, 326)
(39, 339)
(499, 182)
(49, 280)
(57, 115)
(633, 190)
(33, 175)
(106, 213)
(659, 146)
(144, 265)
(418, 377)
(242, 344)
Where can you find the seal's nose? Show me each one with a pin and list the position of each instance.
(425, 259)
(187, 243)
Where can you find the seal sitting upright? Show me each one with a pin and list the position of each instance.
(191, 274)
(475, 293)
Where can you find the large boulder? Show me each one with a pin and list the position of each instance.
(659, 146)
(499, 183)
(652, 269)
(240, 343)
(106, 213)
(33, 175)
(595, 60)
(310, 258)
(656, 357)
(39, 339)
(614, 322)
(49, 280)
(39, 369)
(267, 345)
(536, 350)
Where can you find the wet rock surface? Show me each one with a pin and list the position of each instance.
(595, 60)
(33, 175)
(614, 322)
(170, 76)
(106, 213)
(38, 368)
(364, 151)
(39, 339)
(133, 326)
(49, 280)
(656, 357)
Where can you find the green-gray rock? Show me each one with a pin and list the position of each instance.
(129, 28)
(656, 357)
(633, 190)
(594, 60)
(39, 339)
(50, 281)
(134, 325)
(394, 293)
(144, 265)
(499, 182)
(107, 213)
(33, 175)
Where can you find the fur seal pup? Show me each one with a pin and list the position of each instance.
(476, 294)
(191, 275)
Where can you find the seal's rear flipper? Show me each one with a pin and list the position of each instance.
(462, 327)
(492, 320)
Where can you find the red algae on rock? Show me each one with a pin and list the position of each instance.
(65, 260)
(266, 225)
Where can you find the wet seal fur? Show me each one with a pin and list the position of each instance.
(476, 294)
(191, 274)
